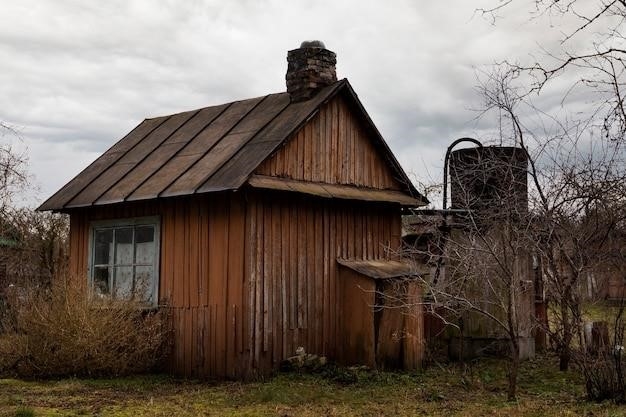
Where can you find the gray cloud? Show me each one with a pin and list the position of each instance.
(76, 76)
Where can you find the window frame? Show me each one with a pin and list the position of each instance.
(121, 223)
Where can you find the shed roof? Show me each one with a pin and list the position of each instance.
(206, 150)
(382, 268)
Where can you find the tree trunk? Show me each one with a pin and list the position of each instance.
(565, 355)
(513, 369)
(564, 347)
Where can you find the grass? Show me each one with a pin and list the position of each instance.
(477, 389)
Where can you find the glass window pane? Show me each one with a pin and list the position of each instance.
(123, 286)
(124, 246)
(124, 261)
(101, 281)
(144, 234)
(103, 253)
(144, 245)
(144, 277)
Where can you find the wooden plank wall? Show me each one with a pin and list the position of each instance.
(269, 281)
(333, 148)
(357, 294)
(201, 276)
(293, 288)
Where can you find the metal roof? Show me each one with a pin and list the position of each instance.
(211, 149)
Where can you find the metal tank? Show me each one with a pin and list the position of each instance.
(489, 180)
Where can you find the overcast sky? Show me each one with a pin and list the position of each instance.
(77, 75)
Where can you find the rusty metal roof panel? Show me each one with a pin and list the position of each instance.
(211, 149)
(232, 142)
(116, 172)
(155, 161)
(229, 115)
(84, 178)
(383, 268)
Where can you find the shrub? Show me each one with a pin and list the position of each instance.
(604, 376)
(61, 331)
(603, 366)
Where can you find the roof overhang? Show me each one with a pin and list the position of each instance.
(383, 268)
(336, 191)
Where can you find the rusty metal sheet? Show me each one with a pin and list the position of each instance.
(196, 124)
(138, 134)
(99, 185)
(96, 168)
(346, 192)
(383, 268)
(139, 174)
(217, 148)
(206, 139)
(229, 145)
(202, 143)
(115, 172)
(156, 138)
(154, 162)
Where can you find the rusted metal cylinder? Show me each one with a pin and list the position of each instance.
(489, 180)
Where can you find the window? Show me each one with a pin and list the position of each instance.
(124, 259)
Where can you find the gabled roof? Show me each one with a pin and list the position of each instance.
(211, 149)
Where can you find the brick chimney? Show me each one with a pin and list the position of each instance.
(309, 68)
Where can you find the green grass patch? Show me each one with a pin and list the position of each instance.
(473, 389)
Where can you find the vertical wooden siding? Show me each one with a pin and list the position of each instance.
(201, 276)
(249, 278)
(293, 289)
(334, 148)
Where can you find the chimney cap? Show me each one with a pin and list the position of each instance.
(313, 44)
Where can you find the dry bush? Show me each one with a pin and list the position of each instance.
(604, 366)
(61, 331)
(604, 375)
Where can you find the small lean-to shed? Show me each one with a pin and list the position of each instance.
(233, 217)
(389, 335)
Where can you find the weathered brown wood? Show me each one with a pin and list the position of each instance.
(301, 275)
(390, 330)
(325, 306)
(348, 149)
(276, 299)
(414, 339)
(357, 319)
(267, 277)
(284, 280)
(292, 273)
(178, 237)
(235, 172)
(286, 262)
(236, 270)
(249, 287)
(258, 336)
(264, 265)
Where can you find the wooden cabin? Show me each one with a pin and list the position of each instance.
(240, 217)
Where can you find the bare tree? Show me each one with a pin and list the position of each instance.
(34, 244)
(576, 201)
(592, 50)
(13, 176)
(483, 251)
